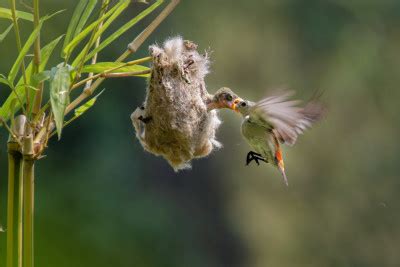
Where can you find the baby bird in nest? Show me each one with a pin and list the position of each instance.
(178, 118)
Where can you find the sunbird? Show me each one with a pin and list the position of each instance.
(273, 121)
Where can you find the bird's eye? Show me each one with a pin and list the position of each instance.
(243, 104)
(228, 97)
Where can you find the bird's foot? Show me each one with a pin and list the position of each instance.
(254, 156)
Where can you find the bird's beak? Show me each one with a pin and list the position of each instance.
(234, 104)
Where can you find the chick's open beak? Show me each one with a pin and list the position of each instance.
(234, 103)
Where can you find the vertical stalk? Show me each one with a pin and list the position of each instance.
(36, 60)
(14, 158)
(28, 177)
(28, 199)
(20, 215)
(19, 46)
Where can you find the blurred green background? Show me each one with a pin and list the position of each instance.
(102, 201)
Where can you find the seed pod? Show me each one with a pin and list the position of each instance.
(174, 121)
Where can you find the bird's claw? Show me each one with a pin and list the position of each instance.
(254, 156)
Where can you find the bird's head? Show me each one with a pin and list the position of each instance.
(242, 106)
(224, 98)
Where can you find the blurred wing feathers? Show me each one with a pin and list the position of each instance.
(284, 117)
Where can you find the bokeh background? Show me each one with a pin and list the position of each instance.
(102, 201)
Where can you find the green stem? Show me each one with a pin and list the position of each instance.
(28, 162)
(37, 59)
(14, 158)
(19, 46)
(20, 214)
(28, 201)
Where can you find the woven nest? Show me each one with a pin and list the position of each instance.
(174, 121)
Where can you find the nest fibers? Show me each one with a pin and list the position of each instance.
(173, 121)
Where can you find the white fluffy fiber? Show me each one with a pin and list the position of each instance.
(178, 125)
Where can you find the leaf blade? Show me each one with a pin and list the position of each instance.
(105, 66)
(6, 13)
(4, 34)
(46, 52)
(124, 28)
(25, 49)
(59, 94)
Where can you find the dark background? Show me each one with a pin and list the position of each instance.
(102, 201)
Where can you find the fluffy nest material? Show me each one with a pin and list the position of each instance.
(174, 121)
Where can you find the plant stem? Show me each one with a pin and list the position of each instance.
(28, 199)
(19, 46)
(20, 214)
(14, 158)
(37, 58)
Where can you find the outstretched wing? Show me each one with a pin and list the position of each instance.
(285, 117)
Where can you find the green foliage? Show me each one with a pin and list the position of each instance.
(4, 34)
(6, 13)
(86, 106)
(124, 28)
(46, 52)
(25, 49)
(79, 19)
(120, 8)
(105, 66)
(68, 49)
(60, 81)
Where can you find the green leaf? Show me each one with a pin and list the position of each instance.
(77, 19)
(41, 76)
(105, 66)
(85, 16)
(59, 94)
(4, 34)
(46, 52)
(83, 108)
(118, 11)
(6, 13)
(124, 28)
(4, 80)
(78, 38)
(23, 52)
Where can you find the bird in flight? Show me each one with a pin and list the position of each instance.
(273, 121)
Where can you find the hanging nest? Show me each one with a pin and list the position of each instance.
(174, 121)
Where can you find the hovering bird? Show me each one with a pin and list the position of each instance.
(273, 121)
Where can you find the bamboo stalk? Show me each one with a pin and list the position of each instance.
(14, 158)
(28, 162)
(19, 46)
(37, 58)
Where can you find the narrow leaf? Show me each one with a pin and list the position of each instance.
(74, 21)
(85, 16)
(23, 52)
(4, 34)
(124, 28)
(78, 38)
(3, 80)
(41, 77)
(105, 66)
(59, 94)
(6, 13)
(118, 11)
(83, 108)
(46, 51)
